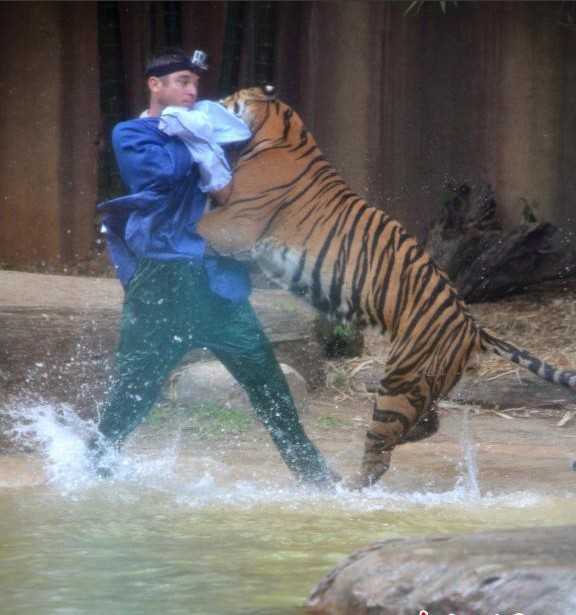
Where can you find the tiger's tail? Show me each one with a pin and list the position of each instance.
(564, 377)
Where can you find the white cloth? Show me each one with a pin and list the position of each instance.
(203, 129)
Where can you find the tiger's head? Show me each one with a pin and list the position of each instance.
(252, 105)
(279, 151)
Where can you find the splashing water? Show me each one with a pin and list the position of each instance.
(60, 436)
(176, 533)
(469, 480)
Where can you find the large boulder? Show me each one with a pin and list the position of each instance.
(208, 382)
(529, 571)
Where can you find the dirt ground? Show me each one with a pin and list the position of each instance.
(513, 454)
(522, 448)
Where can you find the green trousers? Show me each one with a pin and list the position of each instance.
(169, 309)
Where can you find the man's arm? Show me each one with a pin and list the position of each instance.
(143, 160)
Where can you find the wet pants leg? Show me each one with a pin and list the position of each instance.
(151, 345)
(246, 352)
(170, 309)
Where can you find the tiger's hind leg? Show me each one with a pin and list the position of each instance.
(426, 427)
(395, 420)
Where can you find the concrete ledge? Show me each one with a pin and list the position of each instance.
(58, 335)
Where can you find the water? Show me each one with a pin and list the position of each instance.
(469, 461)
(170, 536)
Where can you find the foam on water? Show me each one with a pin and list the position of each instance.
(60, 437)
(468, 479)
(206, 492)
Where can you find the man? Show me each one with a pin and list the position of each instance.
(179, 294)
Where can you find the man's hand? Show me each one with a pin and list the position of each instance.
(220, 197)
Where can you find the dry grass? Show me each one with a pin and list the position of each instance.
(542, 321)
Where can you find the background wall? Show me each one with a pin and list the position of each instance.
(404, 103)
(48, 130)
(400, 103)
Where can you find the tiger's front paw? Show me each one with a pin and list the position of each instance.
(357, 482)
(366, 478)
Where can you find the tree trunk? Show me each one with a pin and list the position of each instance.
(486, 262)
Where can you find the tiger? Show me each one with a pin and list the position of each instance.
(313, 235)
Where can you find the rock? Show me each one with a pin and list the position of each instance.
(511, 572)
(208, 382)
(517, 390)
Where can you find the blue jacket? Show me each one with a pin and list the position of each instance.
(158, 218)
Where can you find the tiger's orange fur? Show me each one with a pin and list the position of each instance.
(313, 235)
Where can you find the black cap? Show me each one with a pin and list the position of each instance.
(195, 63)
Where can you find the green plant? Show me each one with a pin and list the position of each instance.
(203, 419)
(339, 339)
(344, 330)
(330, 422)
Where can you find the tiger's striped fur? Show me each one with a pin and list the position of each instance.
(312, 234)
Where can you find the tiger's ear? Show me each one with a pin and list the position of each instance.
(269, 91)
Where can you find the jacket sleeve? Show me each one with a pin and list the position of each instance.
(144, 161)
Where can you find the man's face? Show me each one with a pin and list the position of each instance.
(179, 89)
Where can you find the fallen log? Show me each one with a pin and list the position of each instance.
(484, 260)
